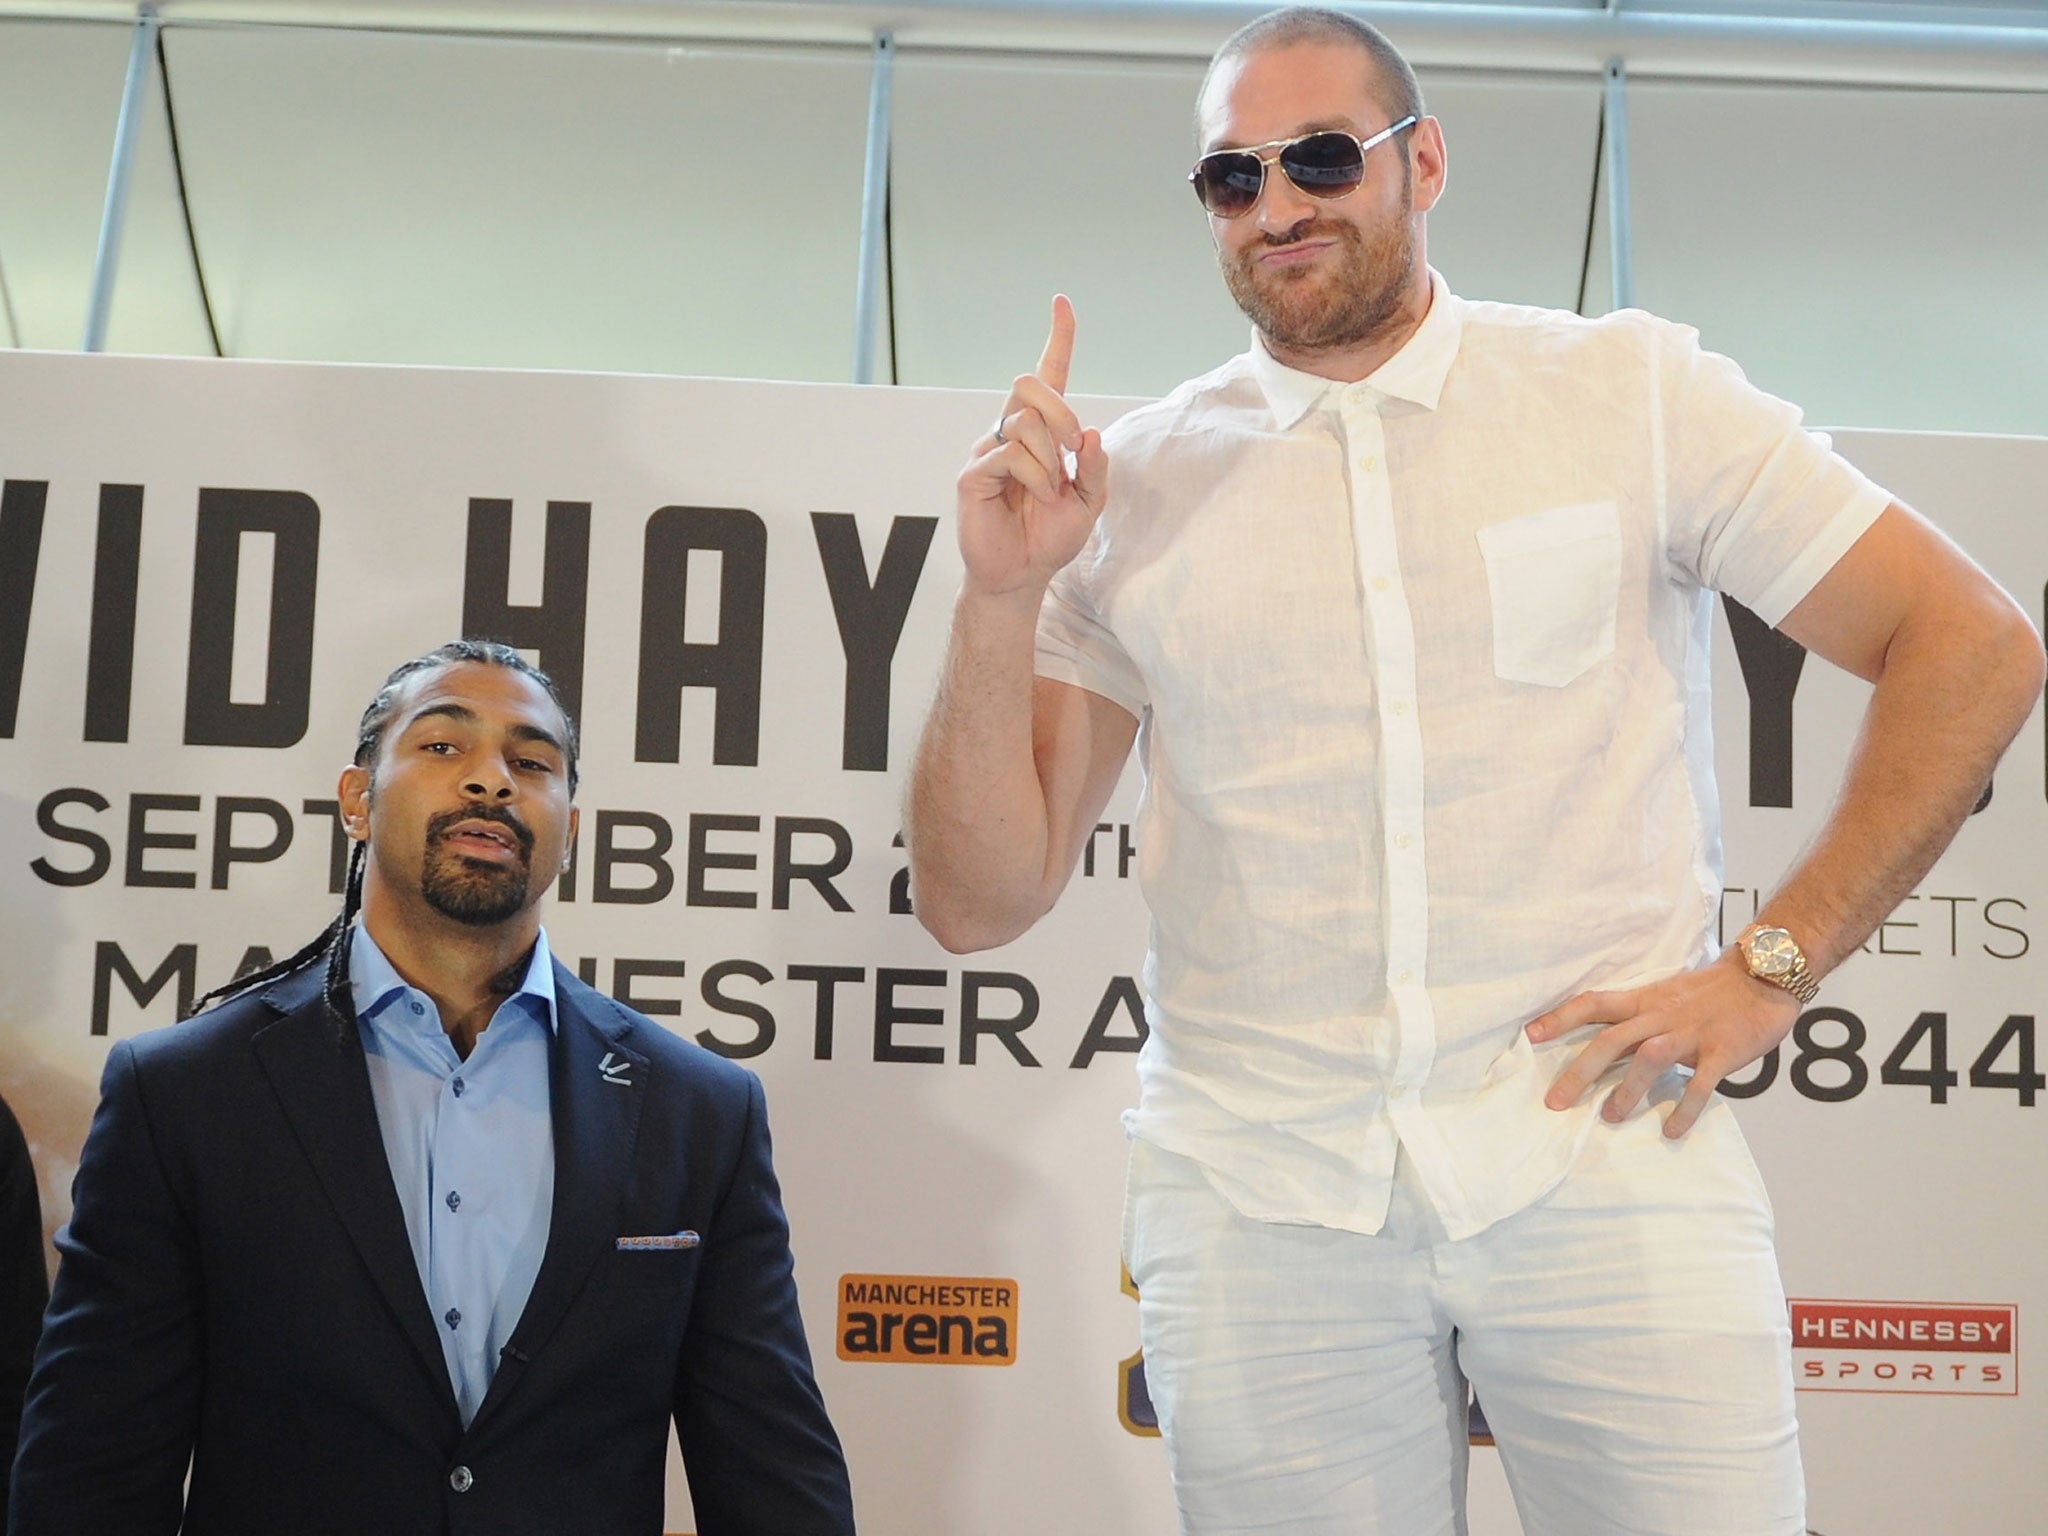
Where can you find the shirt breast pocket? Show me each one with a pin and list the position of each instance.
(1554, 578)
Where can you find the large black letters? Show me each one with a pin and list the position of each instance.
(21, 547)
(730, 667)
(870, 621)
(555, 627)
(211, 719)
(109, 961)
(1770, 672)
(116, 579)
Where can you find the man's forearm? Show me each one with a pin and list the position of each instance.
(1946, 705)
(975, 817)
(1952, 690)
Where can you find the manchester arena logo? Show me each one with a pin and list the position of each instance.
(1935, 1349)
(928, 1319)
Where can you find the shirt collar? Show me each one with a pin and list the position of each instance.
(374, 982)
(1416, 373)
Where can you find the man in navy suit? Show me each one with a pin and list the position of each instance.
(417, 1233)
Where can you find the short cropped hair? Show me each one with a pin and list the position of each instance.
(1393, 81)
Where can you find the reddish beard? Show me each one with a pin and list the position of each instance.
(1324, 307)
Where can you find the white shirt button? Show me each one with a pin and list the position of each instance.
(1379, 583)
(1368, 463)
(1405, 976)
(1401, 839)
(1399, 706)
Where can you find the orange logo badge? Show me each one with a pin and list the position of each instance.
(928, 1319)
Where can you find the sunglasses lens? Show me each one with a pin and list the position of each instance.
(1324, 164)
(1228, 182)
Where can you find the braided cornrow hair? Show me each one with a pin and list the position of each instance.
(333, 940)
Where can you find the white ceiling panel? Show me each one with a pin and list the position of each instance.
(60, 95)
(1873, 254)
(1511, 224)
(377, 197)
(1013, 180)
(1876, 256)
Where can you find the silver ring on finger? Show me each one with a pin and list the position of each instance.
(1000, 439)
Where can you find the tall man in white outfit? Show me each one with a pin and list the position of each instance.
(1407, 610)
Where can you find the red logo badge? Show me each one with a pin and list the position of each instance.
(1937, 1349)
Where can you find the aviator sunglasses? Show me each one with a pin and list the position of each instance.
(1328, 164)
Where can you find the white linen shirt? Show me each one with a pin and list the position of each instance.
(1420, 666)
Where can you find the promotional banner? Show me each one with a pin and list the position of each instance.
(743, 591)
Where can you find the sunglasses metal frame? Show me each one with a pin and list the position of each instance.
(1279, 147)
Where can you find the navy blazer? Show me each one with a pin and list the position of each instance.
(236, 1292)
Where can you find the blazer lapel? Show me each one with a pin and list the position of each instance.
(596, 1085)
(315, 1065)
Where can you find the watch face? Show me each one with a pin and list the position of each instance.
(1772, 952)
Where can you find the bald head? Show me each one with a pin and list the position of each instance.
(1390, 80)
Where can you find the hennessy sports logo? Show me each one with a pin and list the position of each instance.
(928, 1319)
(1937, 1349)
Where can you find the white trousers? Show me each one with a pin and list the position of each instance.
(1626, 1336)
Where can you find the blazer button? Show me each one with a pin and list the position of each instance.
(460, 1480)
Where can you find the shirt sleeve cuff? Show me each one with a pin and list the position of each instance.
(1802, 575)
(1076, 671)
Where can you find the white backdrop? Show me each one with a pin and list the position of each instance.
(935, 1117)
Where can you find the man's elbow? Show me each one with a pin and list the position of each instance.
(958, 938)
(1976, 647)
(964, 926)
(2015, 662)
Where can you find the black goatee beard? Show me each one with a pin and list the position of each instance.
(473, 893)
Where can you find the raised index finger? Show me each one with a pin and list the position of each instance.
(1058, 356)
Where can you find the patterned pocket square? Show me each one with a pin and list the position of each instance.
(684, 1239)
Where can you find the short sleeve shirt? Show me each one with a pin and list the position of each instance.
(1420, 668)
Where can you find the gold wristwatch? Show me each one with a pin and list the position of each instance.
(1773, 955)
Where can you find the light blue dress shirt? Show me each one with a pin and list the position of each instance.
(471, 1148)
